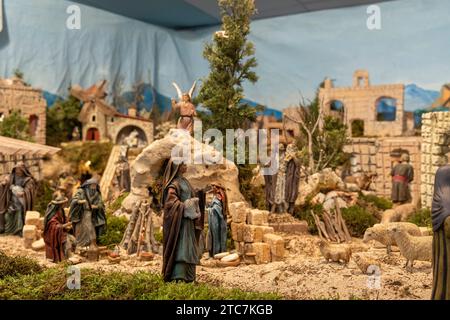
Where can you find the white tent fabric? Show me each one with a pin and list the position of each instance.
(294, 52)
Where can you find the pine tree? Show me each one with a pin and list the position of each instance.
(231, 59)
(62, 118)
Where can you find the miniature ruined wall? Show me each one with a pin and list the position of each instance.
(379, 156)
(33, 163)
(360, 101)
(435, 148)
(14, 95)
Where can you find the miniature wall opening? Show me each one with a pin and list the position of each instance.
(33, 123)
(126, 131)
(357, 127)
(337, 109)
(93, 134)
(386, 109)
(396, 155)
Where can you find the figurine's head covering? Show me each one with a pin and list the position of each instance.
(223, 197)
(404, 157)
(53, 208)
(20, 165)
(170, 173)
(89, 182)
(60, 199)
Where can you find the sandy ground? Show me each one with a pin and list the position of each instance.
(303, 275)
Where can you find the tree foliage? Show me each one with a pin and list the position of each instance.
(322, 137)
(62, 118)
(231, 60)
(15, 126)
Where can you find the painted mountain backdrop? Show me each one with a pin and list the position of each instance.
(417, 98)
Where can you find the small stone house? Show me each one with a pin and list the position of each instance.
(16, 95)
(102, 122)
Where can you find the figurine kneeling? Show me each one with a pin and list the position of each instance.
(58, 242)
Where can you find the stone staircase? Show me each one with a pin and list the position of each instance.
(108, 174)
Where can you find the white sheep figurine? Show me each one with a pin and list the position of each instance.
(412, 247)
(379, 233)
(335, 252)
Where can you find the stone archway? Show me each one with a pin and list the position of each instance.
(127, 130)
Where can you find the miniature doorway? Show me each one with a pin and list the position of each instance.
(126, 131)
(93, 134)
(33, 122)
(357, 128)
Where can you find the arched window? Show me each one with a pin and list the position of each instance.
(93, 118)
(336, 105)
(386, 109)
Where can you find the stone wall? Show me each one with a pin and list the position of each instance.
(360, 102)
(435, 148)
(15, 95)
(380, 155)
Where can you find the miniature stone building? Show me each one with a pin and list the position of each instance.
(435, 150)
(102, 122)
(16, 95)
(366, 105)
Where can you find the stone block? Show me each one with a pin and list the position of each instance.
(38, 245)
(41, 223)
(237, 231)
(276, 244)
(29, 232)
(253, 233)
(27, 243)
(300, 227)
(257, 217)
(240, 248)
(32, 218)
(238, 212)
(262, 252)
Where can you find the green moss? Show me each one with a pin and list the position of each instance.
(421, 217)
(379, 202)
(357, 219)
(115, 230)
(158, 236)
(117, 204)
(15, 266)
(98, 285)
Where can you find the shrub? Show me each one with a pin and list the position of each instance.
(98, 285)
(115, 230)
(44, 195)
(304, 213)
(421, 217)
(158, 236)
(357, 219)
(379, 202)
(15, 266)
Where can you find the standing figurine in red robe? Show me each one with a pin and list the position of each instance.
(58, 242)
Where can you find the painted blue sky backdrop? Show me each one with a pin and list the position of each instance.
(294, 52)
